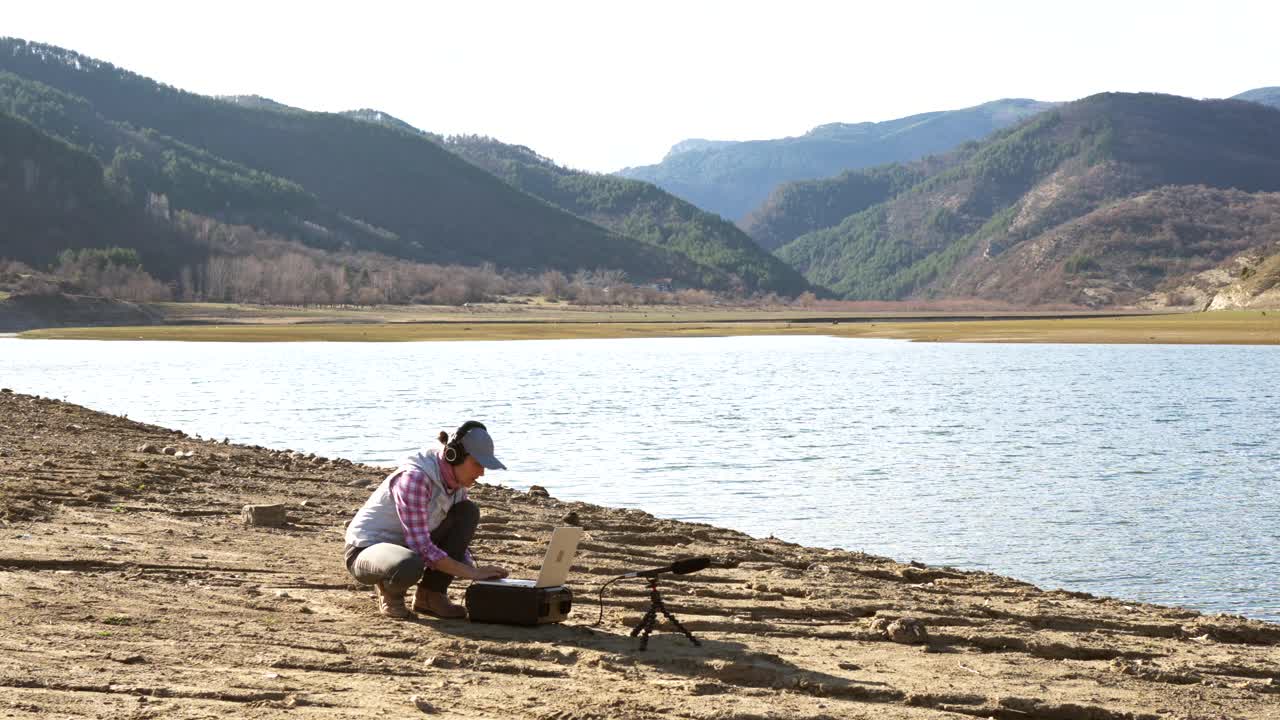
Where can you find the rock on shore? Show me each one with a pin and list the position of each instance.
(130, 586)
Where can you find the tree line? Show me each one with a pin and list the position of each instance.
(246, 265)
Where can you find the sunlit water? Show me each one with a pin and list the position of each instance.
(1146, 472)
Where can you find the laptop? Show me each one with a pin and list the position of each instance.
(555, 565)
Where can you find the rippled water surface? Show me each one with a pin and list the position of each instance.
(1147, 472)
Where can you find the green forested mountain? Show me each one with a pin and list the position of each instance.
(733, 178)
(140, 164)
(188, 176)
(1007, 218)
(639, 210)
(378, 117)
(53, 196)
(800, 207)
(68, 225)
(49, 191)
(318, 177)
(257, 101)
(1266, 96)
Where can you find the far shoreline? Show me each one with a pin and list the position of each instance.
(1225, 327)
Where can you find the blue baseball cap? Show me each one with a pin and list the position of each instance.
(479, 445)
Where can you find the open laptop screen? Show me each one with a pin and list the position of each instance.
(555, 564)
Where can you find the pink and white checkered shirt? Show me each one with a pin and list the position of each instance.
(412, 495)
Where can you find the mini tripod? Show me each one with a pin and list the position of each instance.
(651, 618)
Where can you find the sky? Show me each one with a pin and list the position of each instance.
(600, 85)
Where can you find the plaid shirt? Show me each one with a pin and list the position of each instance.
(412, 495)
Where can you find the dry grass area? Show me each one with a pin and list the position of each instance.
(1227, 327)
(129, 588)
(251, 324)
(537, 309)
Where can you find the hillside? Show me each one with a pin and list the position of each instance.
(1250, 280)
(1243, 227)
(53, 195)
(30, 312)
(638, 210)
(142, 163)
(733, 178)
(1266, 96)
(67, 225)
(378, 117)
(1118, 253)
(802, 206)
(353, 184)
(971, 225)
(257, 101)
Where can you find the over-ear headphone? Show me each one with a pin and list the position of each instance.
(454, 452)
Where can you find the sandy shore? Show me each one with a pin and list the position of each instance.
(130, 588)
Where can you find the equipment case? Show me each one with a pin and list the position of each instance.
(518, 605)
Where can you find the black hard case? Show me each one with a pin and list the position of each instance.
(515, 605)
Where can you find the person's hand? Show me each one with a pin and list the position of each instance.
(489, 572)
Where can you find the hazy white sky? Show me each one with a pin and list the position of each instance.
(603, 84)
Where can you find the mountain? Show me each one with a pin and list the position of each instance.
(696, 144)
(257, 101)
(1266, 96)
(187, 176)
(50, 191)
(1177, 245)
(53, 196)
(639, 210)
(380, 118)
(61, 210)
(318, 177)
(732, 178)
(802, 206)
(1097, 202)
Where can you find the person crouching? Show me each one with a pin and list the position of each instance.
(417, 526)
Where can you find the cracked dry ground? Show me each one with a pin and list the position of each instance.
(130, 588)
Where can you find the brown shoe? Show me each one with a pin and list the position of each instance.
(434, 603)
(390, 603)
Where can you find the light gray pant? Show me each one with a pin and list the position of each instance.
(397, 567)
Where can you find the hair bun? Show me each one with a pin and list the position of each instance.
(444, 438)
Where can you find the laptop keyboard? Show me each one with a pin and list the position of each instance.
(507, 581)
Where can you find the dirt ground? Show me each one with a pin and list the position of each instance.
(131, 588)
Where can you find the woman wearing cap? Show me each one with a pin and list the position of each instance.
(417, 526)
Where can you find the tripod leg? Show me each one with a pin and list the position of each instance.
(650, 619)
(648, 629)
(646, 626)
(647, 621)
(658, 604)
(682, 628)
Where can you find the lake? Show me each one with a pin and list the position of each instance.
(1141, 471)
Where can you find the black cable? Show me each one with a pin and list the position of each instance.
(602, 587)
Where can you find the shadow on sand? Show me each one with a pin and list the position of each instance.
(710, 668)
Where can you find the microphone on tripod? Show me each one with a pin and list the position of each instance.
(683, 566)
(656, 604)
